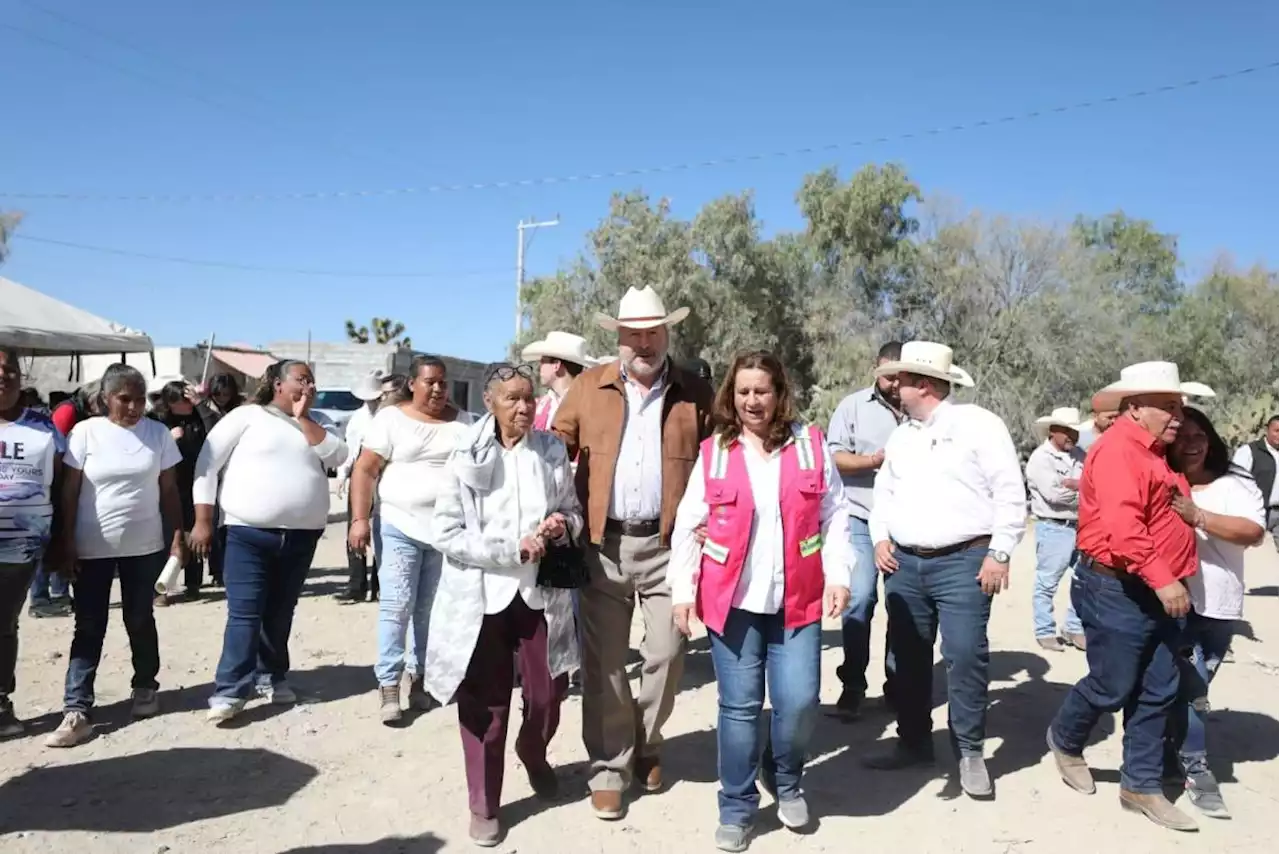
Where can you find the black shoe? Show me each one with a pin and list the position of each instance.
(849, 706)
(901, 757)
(348, 598)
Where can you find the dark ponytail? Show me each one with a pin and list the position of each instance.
(276, 373)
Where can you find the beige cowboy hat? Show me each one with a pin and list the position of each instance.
(641, 309)
(1148, 378)
(927, 359)
(564, 346)
(1062, 416)
(369, 387)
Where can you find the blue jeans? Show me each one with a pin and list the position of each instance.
(923, 596)
(1132, 650)
(755, 649)
(47, 586)
(1207, 641)
(855, 628)
(1055, 554)
(409, 575)
(92, 605)
(263, 572)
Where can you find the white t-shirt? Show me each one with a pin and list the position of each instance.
(416, 453)
(28, 448)
(1217, 590)
(271, 476)
(118, 514)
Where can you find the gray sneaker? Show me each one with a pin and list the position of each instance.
(279, 694)
(974, 779)
(794, 814)
(732, 837)
(146, 703)
(1204, 794)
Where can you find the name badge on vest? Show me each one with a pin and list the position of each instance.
(715, 551)
(811, 545)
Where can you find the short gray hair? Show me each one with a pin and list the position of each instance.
(118, 376)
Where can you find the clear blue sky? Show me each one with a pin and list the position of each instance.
(401, 94)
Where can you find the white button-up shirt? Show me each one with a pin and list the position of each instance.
(949, 479)
(1244, 458)
(762, 582)
(637, 475)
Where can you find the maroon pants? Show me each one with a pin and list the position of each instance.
(517, 636)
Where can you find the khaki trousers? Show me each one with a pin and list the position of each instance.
(617, 728)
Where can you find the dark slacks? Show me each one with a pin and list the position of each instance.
(517, 636)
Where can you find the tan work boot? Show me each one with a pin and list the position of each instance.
(75, 729)
(1075, 640)
(1157, 808)
(389, 704)
(1073, 769)
(1050, 643)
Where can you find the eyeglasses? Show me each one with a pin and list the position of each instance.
(506, 372)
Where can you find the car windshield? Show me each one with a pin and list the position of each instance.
(340, 400)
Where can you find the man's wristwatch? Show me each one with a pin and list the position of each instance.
(998, 557)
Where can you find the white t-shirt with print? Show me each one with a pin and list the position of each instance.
(118, 514)
(1217, 590)
(28, 448)
(415, 453)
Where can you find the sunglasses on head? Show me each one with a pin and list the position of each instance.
(507, 372)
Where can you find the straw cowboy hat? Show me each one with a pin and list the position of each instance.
(369, 387)
(1062, 416)
(928, 360)
(641, 309)
(564, 346)
(1148, 378)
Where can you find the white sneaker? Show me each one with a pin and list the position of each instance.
(146, 703)
(279, 694)
(222, 710)
(794, 814)
(75, 729)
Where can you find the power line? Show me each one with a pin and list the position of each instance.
(185, 92)
(253, 268)
(641, 171)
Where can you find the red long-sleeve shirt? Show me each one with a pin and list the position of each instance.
(1127, 520)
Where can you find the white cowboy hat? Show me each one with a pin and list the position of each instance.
(564, 346)
(369, 387)
(1062, 416)
(928, 360)
(641, 309)
(1148, 378)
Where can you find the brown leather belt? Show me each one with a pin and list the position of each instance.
(944, 550)
(1102, 569)
(633, 527)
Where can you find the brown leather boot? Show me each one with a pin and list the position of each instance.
(1157, 808)
(607, 805)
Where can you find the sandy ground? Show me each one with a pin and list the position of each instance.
(325, 776)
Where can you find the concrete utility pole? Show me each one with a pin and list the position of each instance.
(521, 227)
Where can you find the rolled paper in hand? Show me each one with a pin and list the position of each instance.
(167, 583)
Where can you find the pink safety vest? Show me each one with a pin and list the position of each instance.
(730, 510)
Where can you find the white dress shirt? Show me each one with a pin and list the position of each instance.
(1047, 469)
(761, 585)
(951, 478)
(356, 426)
(1244, 458)
(637, 475)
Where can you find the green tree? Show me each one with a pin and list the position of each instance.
(385, 331)
(8, 225)
(1134, 258)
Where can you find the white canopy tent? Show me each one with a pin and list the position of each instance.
(38, 325)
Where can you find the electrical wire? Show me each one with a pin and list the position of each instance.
(253, 268)
(319, 195)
